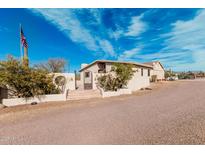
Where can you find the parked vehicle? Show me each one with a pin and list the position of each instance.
(172, 78)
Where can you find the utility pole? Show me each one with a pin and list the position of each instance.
(23, 43)
(75, 80)
(25, 57)
(20, 45)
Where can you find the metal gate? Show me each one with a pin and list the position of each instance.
(88, 78)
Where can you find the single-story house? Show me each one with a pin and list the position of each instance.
(89, 74)
(158, 70)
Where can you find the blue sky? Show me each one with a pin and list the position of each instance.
(176, 37)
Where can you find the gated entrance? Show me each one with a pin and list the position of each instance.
(88, 78)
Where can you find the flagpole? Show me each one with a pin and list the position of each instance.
(21, 52)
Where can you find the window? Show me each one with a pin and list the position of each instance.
(87, 74)
(148, 72)
(142, 72)
(101, 68)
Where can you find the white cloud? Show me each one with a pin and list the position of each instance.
(187, 39)
(67, 22)
(187, 34)
(96, 14)
(198, 64)
(184, 46)
(136, 27)
(106, 46)
(129, 55)
(115, 34)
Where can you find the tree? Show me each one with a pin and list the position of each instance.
(56, 65)
(22, 81)
(122, 73)
(168, 74)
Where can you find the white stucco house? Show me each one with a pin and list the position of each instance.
(89, 74)
(157, 70)
(88, 86)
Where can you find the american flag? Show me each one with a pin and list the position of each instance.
(23, 39)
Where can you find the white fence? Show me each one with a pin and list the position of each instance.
(114, 93)
(40, 99)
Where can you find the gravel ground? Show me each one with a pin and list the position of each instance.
(171, 113)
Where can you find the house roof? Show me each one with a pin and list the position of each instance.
(111, 61)
(152, 63)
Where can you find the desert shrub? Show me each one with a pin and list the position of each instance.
(122, 73)
(186, 75)
(107, 82)
(22, 81)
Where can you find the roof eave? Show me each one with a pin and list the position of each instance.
(107, 61)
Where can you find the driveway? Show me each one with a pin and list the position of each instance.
(171, 113)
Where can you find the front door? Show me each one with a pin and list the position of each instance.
(88, 80)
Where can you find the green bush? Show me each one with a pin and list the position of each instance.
(107, 82)
(186, 75)
(22, 81)
(122, 73)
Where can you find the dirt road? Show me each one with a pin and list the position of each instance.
(171, 114)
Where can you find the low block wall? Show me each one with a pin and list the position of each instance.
(138, 82)
(115, 93)
(40, 99)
